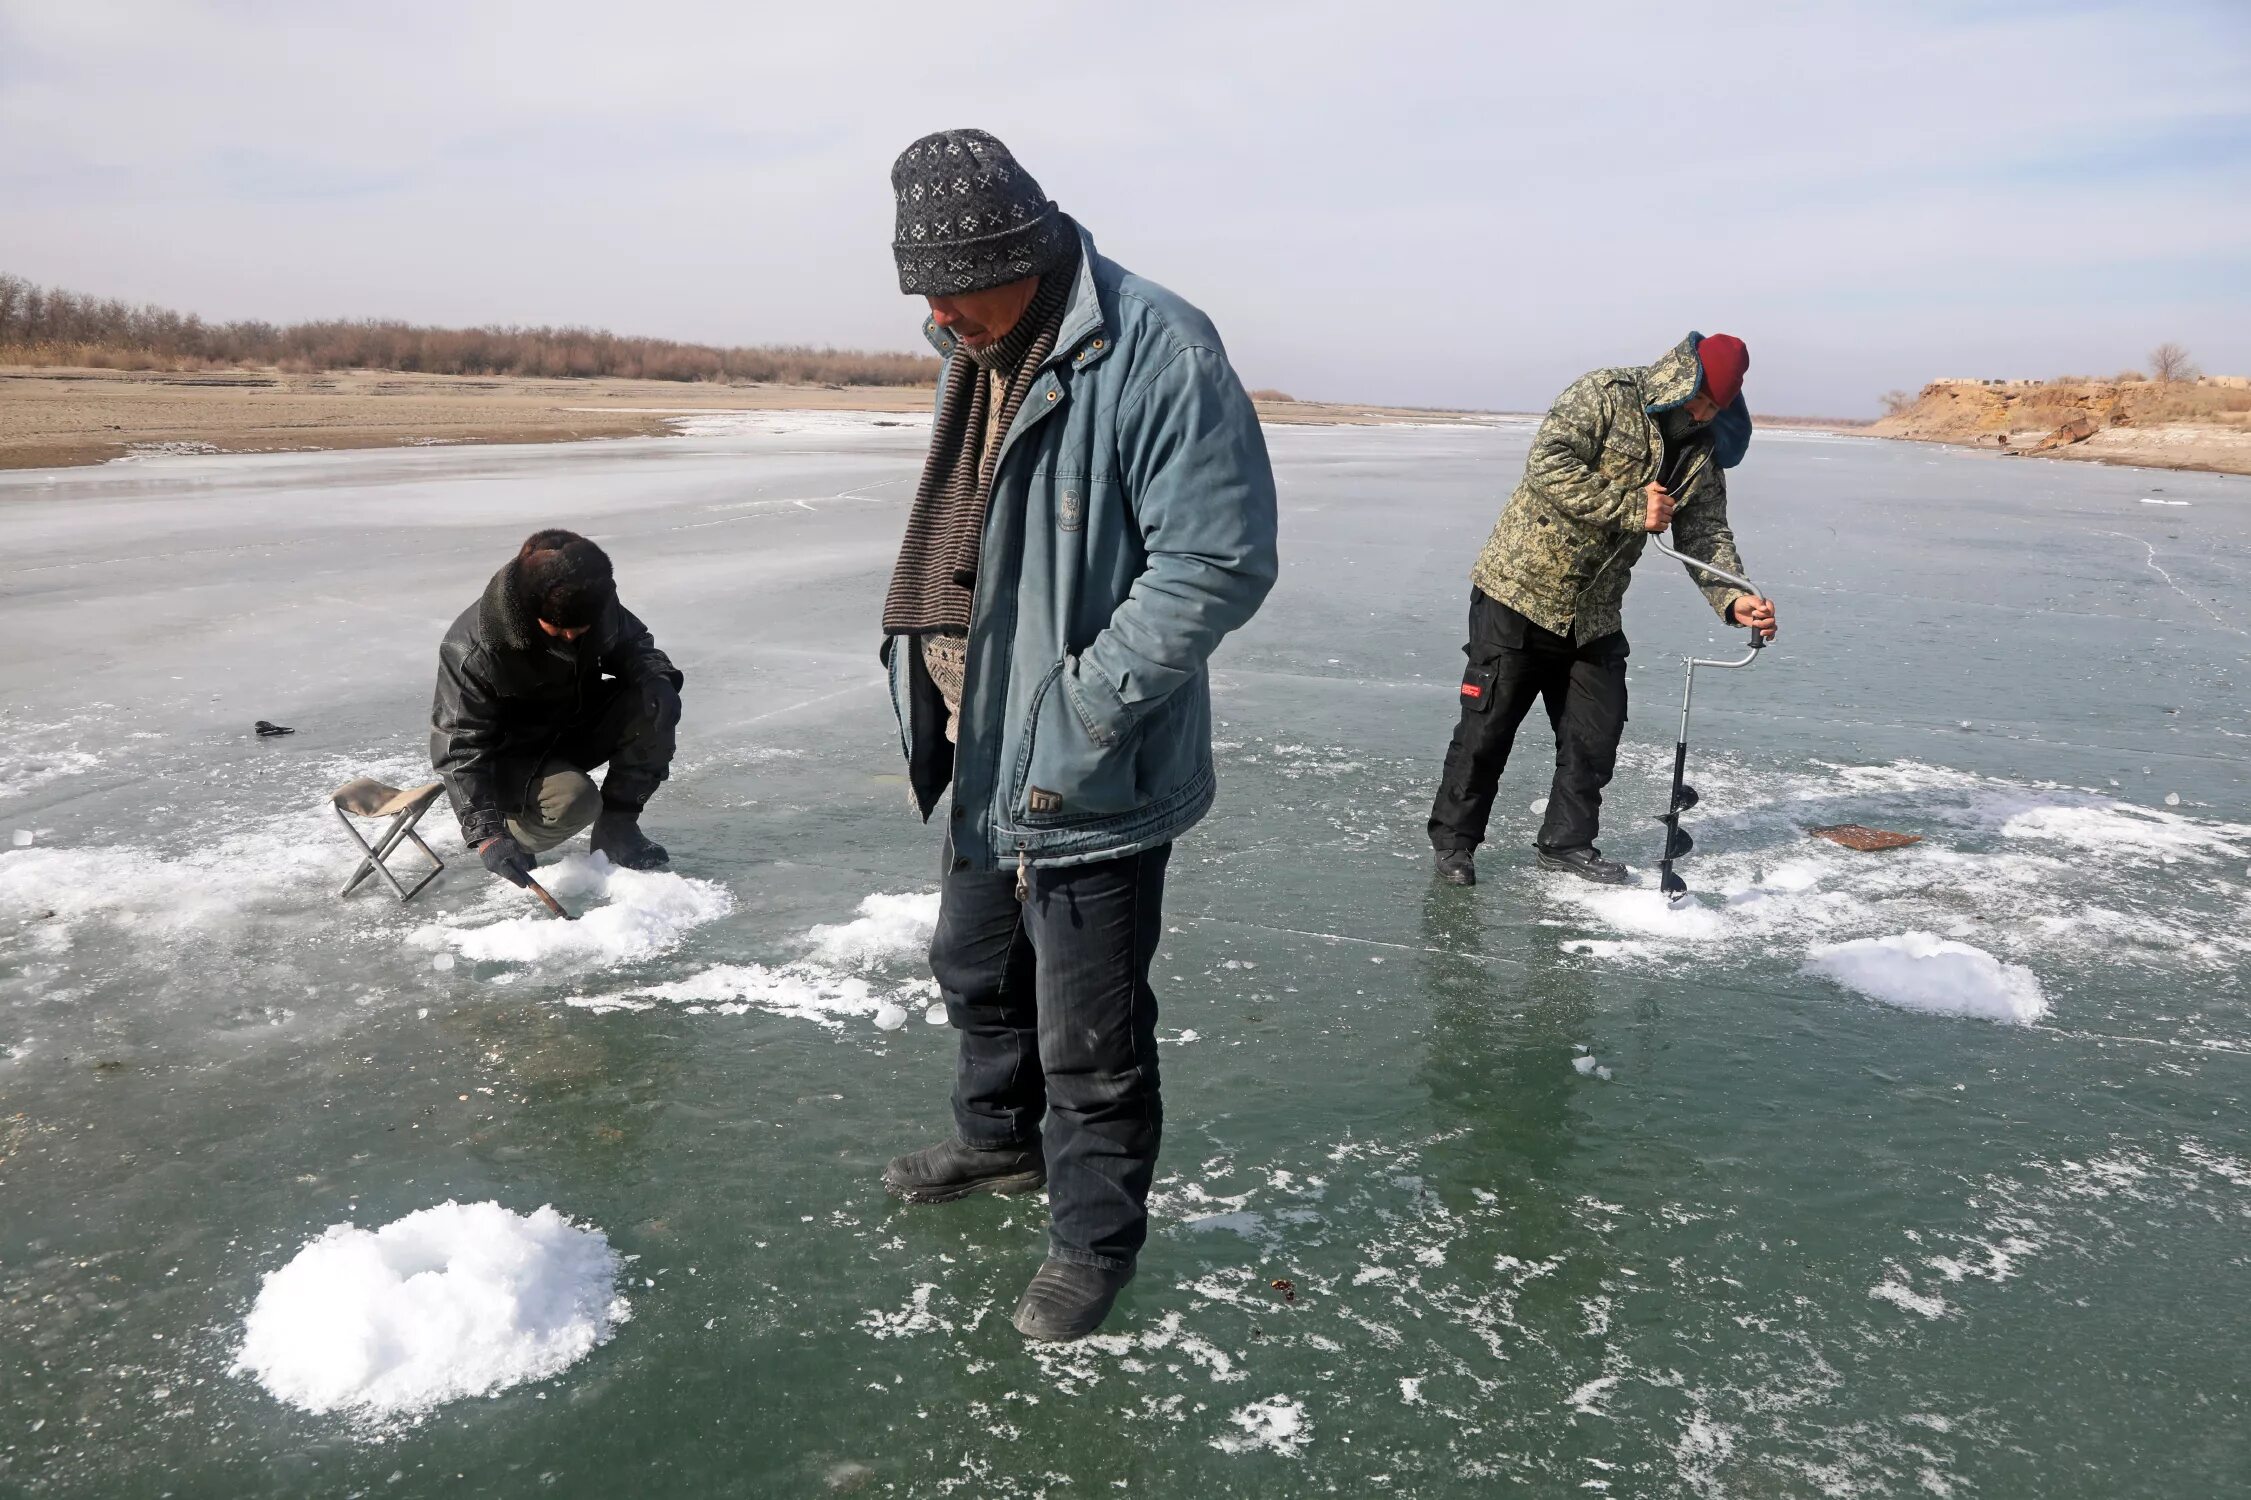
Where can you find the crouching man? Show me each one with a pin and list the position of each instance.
(1095, 514)
(544, 679)
(1623, 453)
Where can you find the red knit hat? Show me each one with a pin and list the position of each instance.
(1725, 362)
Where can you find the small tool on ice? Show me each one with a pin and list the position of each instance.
(1684, 797)
(268, 731)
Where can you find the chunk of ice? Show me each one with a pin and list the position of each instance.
(1921, 971)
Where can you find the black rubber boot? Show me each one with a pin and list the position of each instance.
(1457, 866)
(617, 833)
(950, 1170)
(1068, 1301)
(1586, 862)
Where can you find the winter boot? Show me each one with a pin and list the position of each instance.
(1068, 1301)
(950, 1170)
(1586, 862)
(617, 834)
(1457, 866)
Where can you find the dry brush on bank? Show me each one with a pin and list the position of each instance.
(50, 326)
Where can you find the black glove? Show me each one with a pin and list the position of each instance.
(508, 859)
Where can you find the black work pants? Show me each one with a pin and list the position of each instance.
(1059, 1036)
(1583, 685)
(624, 725)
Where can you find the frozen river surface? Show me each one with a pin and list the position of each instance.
(1573, 1193)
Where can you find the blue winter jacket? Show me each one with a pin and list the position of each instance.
(1131, 528)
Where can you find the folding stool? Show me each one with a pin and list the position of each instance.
(369, 798)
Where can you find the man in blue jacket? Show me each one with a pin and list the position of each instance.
(1096, 513)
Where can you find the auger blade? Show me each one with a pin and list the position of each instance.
(1688, 798)
(1675, 888)
(1677, 842)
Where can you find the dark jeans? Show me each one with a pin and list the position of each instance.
(621, 728)
(1052, 1000)
(1512, 662)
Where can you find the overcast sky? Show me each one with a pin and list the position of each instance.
(1461, 204)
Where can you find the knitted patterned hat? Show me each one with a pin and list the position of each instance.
(970, 218)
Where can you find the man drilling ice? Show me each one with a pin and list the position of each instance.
(1623, 454)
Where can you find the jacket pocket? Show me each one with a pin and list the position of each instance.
(1062, 775)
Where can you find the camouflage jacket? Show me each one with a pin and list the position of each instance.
(1564, 548)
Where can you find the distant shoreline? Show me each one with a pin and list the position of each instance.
(58, 418)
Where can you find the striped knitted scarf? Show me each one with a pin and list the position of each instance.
(934, 582)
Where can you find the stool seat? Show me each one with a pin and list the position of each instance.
(365, 797)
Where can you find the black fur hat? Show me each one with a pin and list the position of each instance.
(564, 579)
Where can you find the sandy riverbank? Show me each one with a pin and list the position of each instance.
(52, 417)
(2137, 423)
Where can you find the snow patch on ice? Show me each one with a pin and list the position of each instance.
(1276, 1425)
(707, 424)
(888, 928)
(453, 1301)
(2005, 865)
(806, 992)
(1919, 971)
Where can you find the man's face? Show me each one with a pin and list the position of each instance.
(1702, 408)
(978, 319)
(563, 632)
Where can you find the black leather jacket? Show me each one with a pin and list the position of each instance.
(507, 691)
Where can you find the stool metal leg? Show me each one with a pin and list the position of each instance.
(402, 827)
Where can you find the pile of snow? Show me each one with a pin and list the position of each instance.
(1919, 971)
(453, 1301)
(645, 913)
(888, 929)
(1278, 1424)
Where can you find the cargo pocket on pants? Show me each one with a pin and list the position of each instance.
(1477, 688)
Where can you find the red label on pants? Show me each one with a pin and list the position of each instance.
(1472, 690)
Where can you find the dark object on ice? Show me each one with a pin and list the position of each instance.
(1586, 862)
(952, 1169)
(1457, 866)
(1286, 1287)
(1866, 840)
(267, 731)
(618, 836)
(1677, 841)
(1068, 1301)
(366, 797)
(546, 900)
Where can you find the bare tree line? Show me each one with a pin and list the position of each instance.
(50, 326)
